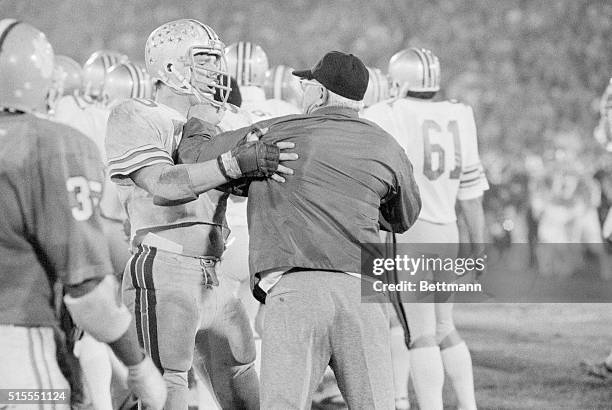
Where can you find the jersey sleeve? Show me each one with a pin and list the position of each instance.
(132, 140)
(472, 181)
(67, 183)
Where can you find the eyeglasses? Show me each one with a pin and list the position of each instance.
(305, 83)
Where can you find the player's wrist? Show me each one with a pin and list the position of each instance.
(228, 165)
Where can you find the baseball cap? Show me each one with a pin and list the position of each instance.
(341, 73)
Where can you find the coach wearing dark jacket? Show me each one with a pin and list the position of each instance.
(304, 251)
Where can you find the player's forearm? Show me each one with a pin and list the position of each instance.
(474, 219)
(126, 348)
(94, 307)
(177, 184)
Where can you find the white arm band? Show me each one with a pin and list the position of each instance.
(100, 312)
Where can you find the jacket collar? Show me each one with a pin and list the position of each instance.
(336, 111)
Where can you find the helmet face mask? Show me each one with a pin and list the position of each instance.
(414, 70)
(171, 56)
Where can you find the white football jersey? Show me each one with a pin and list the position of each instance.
(234, 118)
(255, 103)
(91, 120)
(142, 133)
(441, 142)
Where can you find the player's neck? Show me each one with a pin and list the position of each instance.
(180, 103)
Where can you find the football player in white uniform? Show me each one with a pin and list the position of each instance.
(248, 64)
(54, 236)
(378, 87)
(440, 140)
(89, 114)
(281, 84)
(378, 90)
(170, 283)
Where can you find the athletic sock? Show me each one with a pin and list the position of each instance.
(458, 365)
(427, 376)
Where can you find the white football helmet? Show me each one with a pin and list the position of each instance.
(127, 80)
(170, 58)
(415, 70)
(280, 84)
(247, 62)
(26, 67)
(66, 79)
(95, 69)
(378, 87)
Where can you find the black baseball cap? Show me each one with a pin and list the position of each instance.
(341, 73)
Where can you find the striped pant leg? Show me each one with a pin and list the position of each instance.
(28, 357)
(160, 293)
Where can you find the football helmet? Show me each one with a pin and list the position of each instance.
(69, 73)
(95, 70)
(247, 62)
(170, 57)
(26, 67)
(603, 131)
(127, 80)
(66, 79)
(414, 69)
(378, 87)
(280, 84)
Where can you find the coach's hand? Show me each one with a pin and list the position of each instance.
(256, 159)
(147, 384)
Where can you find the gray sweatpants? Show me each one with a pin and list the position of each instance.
(316, 318)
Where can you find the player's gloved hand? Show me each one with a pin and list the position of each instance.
(147, 384)
(256, 159)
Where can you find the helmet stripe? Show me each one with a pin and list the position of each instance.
(423, 64)
(211, 34)
(432, 72)
(279, 73)
(248, 54)
(239, 63)
(135, 91)
(8, 28)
